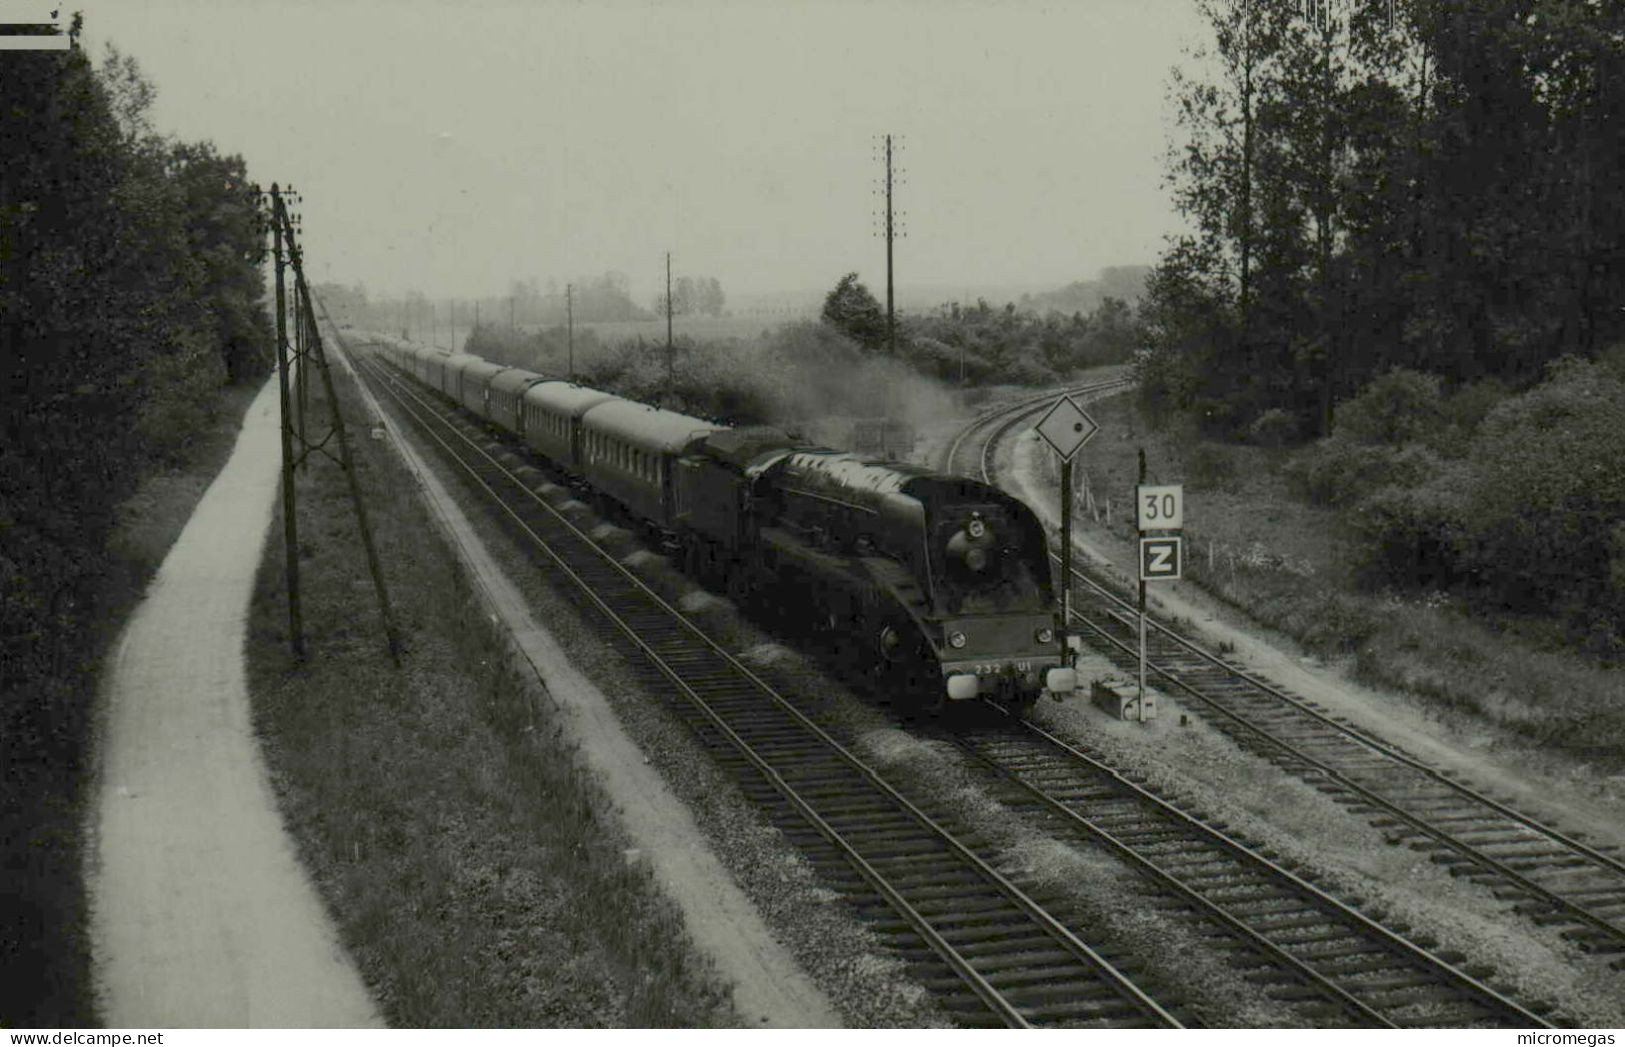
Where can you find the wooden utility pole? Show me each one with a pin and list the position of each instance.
(311, 353)
(570, 325)
(891, 316)
(347, 463)
(670, 352)
(300, 375)
(290, 521)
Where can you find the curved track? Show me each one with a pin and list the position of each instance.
(1323, 959)
(997, 954)
(1550, 875)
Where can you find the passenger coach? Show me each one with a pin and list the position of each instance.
(630, 452)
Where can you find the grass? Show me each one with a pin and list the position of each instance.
(469, 859)
(1256, 545)
(45, 951)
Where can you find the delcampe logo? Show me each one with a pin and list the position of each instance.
(31, 26)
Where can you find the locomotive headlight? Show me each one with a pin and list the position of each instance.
(976, 528)
(1044, 635)
(956, 639)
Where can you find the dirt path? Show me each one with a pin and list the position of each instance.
(770, 988)
(202, 915)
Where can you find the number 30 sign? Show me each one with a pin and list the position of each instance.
(1160, 508)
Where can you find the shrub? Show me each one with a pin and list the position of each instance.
(1338, 624)
(181, 390)
(1417, 536)
(1548, 486)
(1336, 471)
(1398, 407)
(1274, 428)
(1209, 466)
(1466, 409)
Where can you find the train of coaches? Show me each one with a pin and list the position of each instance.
(939, 584)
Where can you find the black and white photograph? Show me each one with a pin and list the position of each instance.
(812, 514)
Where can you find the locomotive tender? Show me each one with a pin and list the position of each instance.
(940, 583)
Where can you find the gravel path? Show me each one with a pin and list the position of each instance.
(202, 916)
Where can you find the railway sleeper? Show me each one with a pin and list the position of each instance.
(1272, 925)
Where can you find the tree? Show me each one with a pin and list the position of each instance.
(853, 311)
(1434, 184)
(710, 298)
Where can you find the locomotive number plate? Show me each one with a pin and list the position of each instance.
(994, 668)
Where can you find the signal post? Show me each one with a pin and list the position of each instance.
(1066, 427)
(1160, 513)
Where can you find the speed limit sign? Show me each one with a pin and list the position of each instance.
(1160, 508)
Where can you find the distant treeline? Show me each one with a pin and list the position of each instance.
(984, 345)
(130, 292)
(1432, 184)
(1125, 282)
(606, 298)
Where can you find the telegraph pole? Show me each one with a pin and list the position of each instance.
(300, 375)
(669, 351)
(891, 316)
(290, 520)
(570, 325)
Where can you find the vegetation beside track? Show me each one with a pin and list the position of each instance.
(1257, 544)
(473, 866)
(45, 964)
(129, 295)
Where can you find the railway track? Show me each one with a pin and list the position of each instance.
(1553, 877)
(969, 457)
(996, 954)
(1314, 954)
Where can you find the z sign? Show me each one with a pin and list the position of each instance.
(1161, 559)
(1160, 508)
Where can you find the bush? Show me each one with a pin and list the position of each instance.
(1210, 466)
(1548, 487)
(1338, 624)
(1337, 471)
(1395, 408)
(183, 388)
(1466, 410)
(1417, 536)
(1273, 428)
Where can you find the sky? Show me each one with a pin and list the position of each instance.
(453, 148)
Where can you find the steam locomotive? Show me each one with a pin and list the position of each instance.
(939, 584)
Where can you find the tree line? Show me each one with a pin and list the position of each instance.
(1431, 184)
(985, 345)
(130, 292)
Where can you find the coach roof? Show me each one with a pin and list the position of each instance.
(647, 427)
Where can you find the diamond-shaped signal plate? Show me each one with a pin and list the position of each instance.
(1066, 427)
